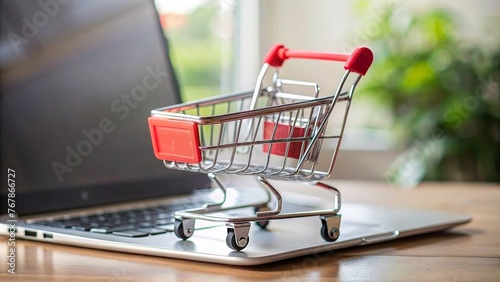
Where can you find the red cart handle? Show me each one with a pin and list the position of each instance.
(358, 61)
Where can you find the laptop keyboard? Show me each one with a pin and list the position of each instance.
(142, 222)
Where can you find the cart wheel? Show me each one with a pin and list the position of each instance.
(231, 240)
(179, 230)
(329, 235)
(264, 223)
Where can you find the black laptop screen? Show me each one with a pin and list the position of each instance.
(78, 81)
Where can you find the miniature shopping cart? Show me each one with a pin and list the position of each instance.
(268, 133)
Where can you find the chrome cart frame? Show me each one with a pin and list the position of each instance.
(267, 133)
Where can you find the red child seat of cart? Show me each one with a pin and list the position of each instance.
(175, 140)
(283, 131)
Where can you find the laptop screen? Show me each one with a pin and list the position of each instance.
(78, 82)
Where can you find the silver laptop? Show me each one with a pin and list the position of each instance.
(78, 84)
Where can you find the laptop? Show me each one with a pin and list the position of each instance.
(79, 80)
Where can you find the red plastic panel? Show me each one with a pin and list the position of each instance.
(175, 140)
(283, 131)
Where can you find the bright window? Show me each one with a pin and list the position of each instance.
(202, 41)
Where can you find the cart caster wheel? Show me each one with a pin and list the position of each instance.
(263, 223)
(231, 240)
(329, 235)
(180, 230)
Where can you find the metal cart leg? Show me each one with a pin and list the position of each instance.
(330, 224)
(265, 210)
(262, 223)
(184, 227)
(185, 220)
(215, 180)
(238, 228)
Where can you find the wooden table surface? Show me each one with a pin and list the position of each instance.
(467, 253)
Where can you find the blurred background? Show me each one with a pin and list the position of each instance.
(428, 109)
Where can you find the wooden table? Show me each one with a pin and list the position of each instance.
(466, 253)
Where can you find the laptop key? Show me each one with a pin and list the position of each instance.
(132, 220)
(81, 228)
(165, 221)
(147, 218)
(146, 224)
(163, 215)
(58, 224)
(131, 233)
(106, 229)
(41, 222)
(166, 227)
(152, 231)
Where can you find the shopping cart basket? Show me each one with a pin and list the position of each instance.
(269, 133)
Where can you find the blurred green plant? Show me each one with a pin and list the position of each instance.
(196, 53)
(443, 95)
